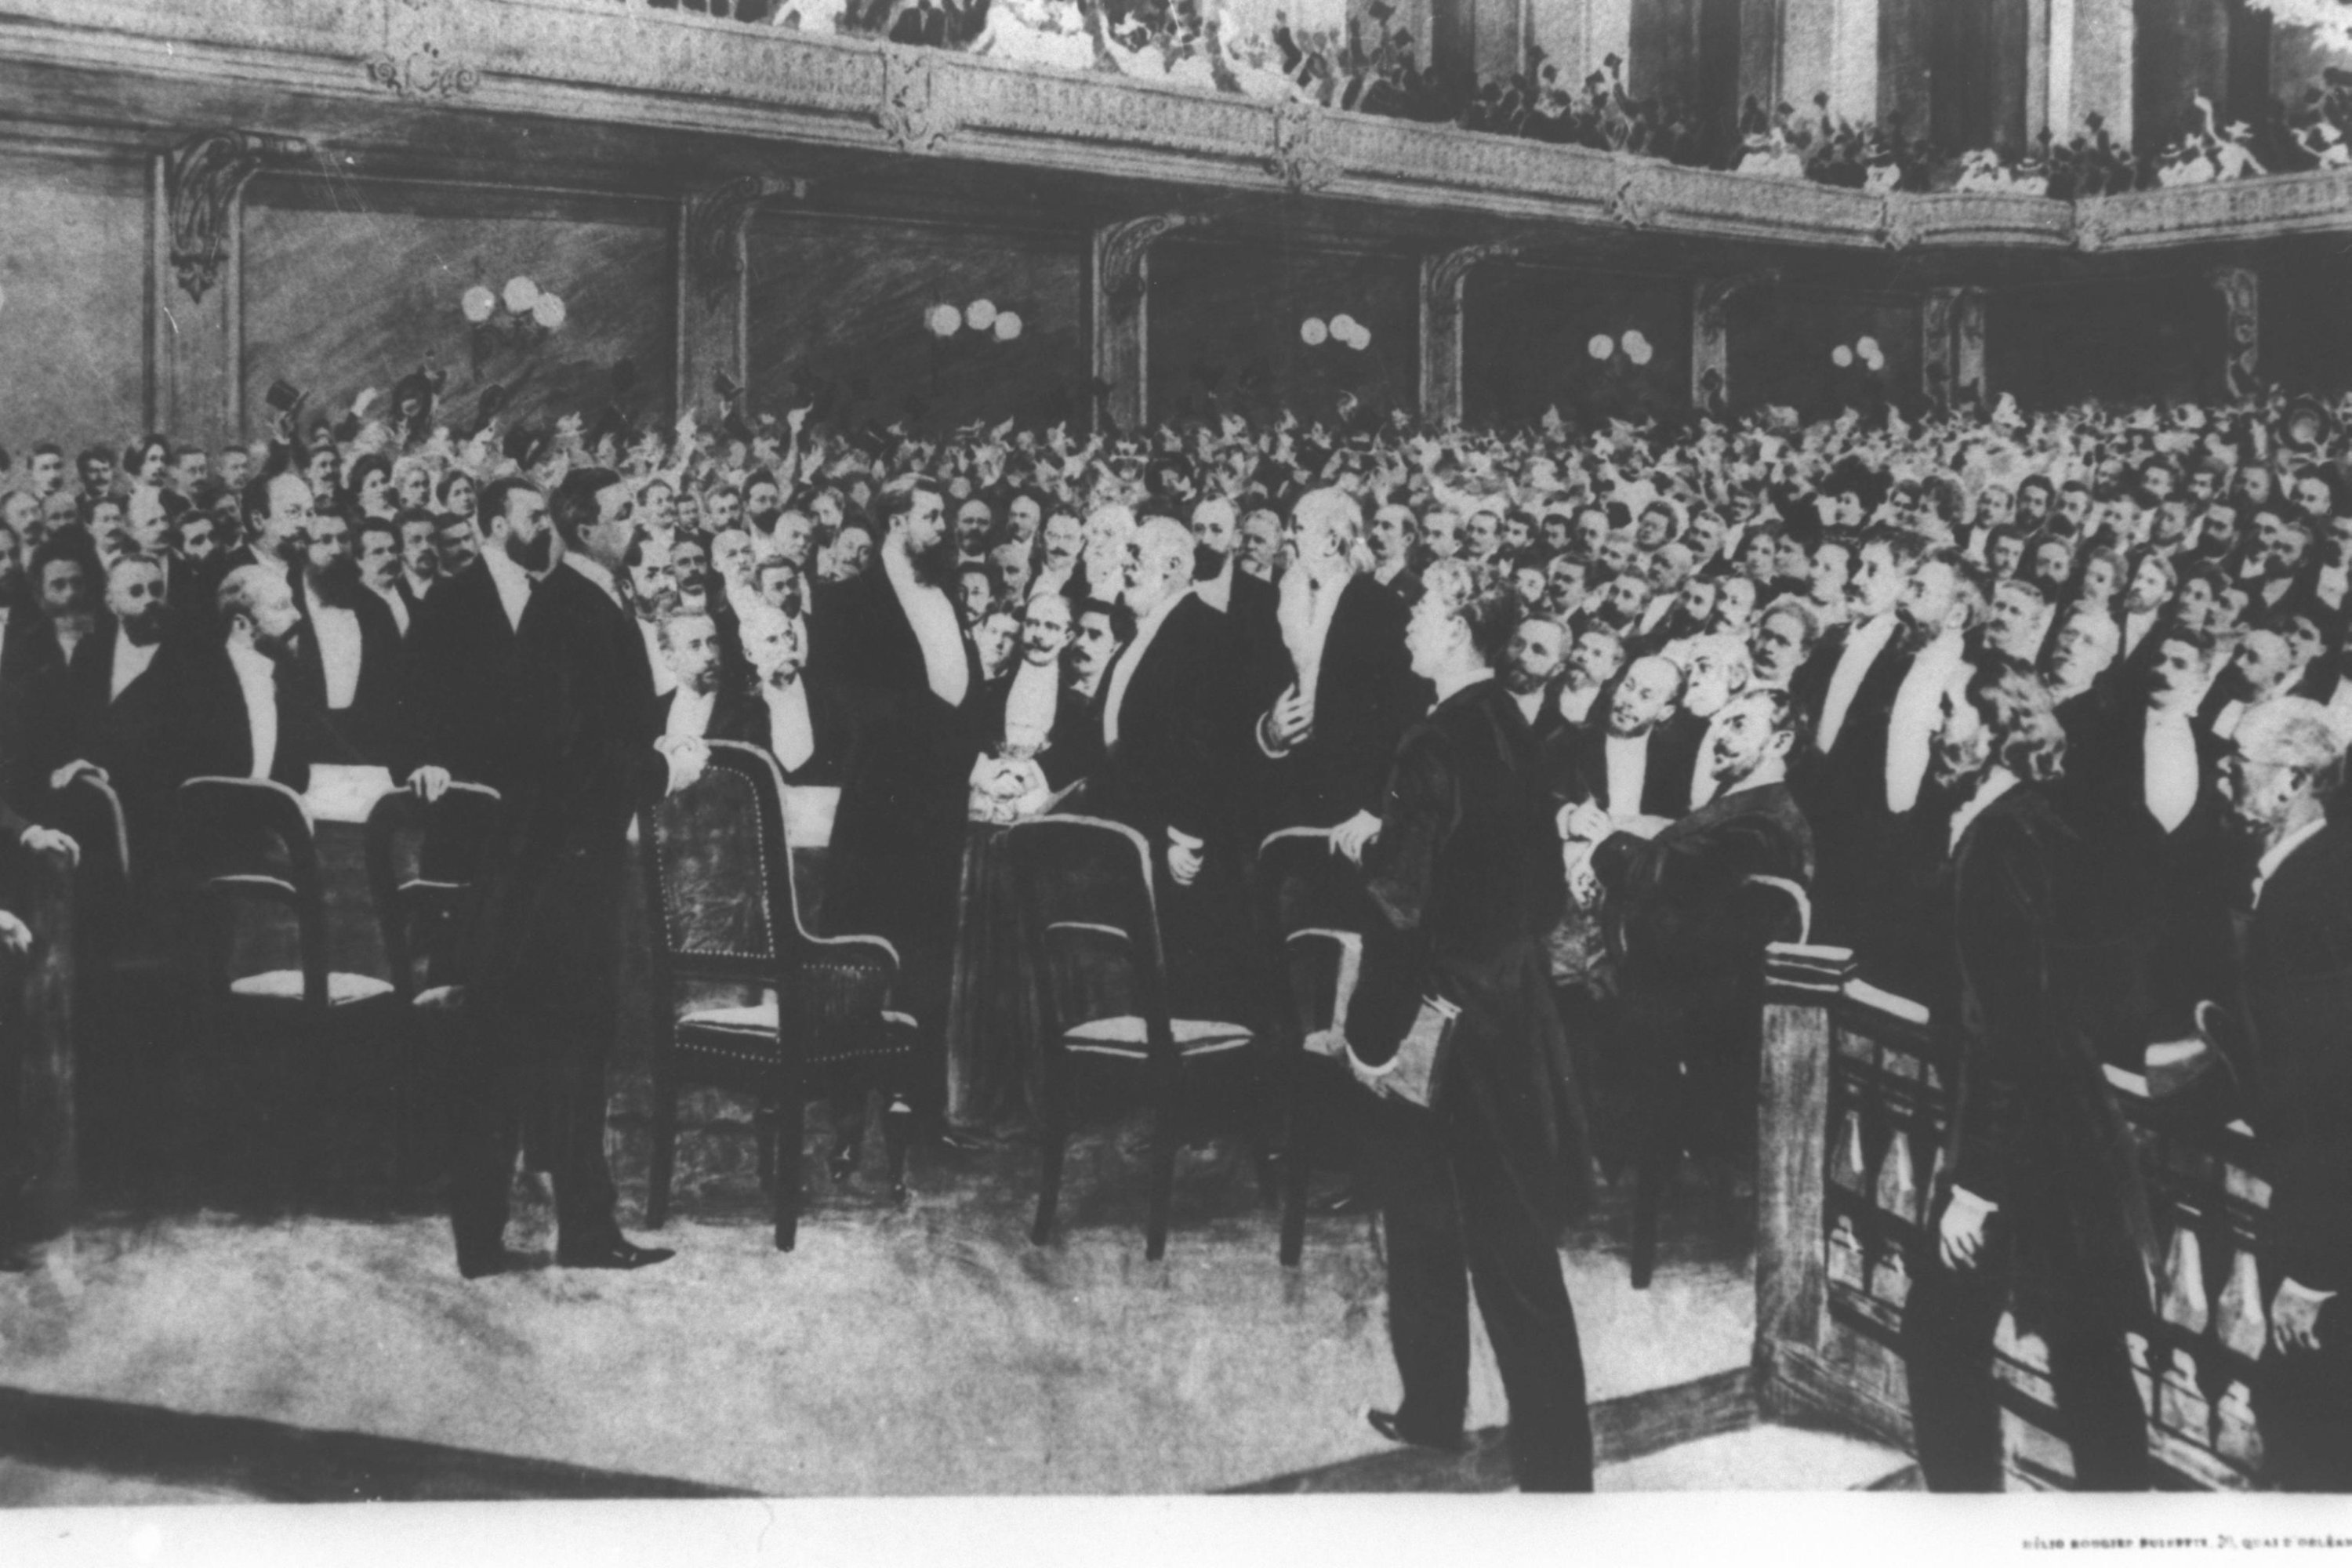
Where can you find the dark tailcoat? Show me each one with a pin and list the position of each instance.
(371, 724)
(1843, 791)
(465, 704)
(2159, 940)
(1467, 877)
(1073, 748)
(833, 727)
(1365, 696)
(213, 733)
(1179, 744)
(2035, 1130)
(75, 715)
(1576, 766)
(2298, 977)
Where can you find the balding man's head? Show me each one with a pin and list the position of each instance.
(1160, 565)
(1645, 695)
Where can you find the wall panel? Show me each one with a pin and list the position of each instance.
(73, 267)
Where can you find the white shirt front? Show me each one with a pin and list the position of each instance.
(663, 681)
(513, 583)
(1628, 760)
(1855, 660)
(1530, 703)
(689, 714)
(2136, 626)
(789, 735)
(394, 601)
(338, 631)
(2276, 857)
(1124, 671)
(131, 662)
(1308, 603)
(932, 616)
(1030, 703)
(257, 678)
(2169, 766)
(1911, 723)
(1217, 591)
(1575, 705)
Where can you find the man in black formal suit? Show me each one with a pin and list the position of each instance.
(1249, 604)
(2040, 1189)
(464, 707)
(1532, 670)
(278, 509)
(1391, 535)
(891, 641)
(350, 655)
(1636, 762)
(1848, 691)
(700, 704)
(1464, 870)
(807, 724)
(2285, 763)
(1332, 729)
(541, 994)
(1689, 937)
(244, 709)
(375, 545)
(1034, 710)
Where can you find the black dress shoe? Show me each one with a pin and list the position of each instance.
(617, 1253)
(1384, 1422)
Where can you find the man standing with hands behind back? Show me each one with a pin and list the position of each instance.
(543, 987)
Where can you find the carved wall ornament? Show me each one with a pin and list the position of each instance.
(415, 62)
(1901, 224)
(2241, 291)
(715, 219)
(203, 178)
(1125, 244)
(1443, 279)
(910, 114)
(1633, 200)
(2093, 230)
(1301, 159)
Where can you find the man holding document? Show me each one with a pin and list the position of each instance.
(1478, 1173)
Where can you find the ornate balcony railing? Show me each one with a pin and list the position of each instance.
(623, 61)
(1857, 1099)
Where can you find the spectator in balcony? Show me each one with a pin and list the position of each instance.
(2042, 1193)
(2286, 762)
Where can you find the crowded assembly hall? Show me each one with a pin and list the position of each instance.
(1586, 746)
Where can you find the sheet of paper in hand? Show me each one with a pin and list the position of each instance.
(340, 792)
(1409, 1074)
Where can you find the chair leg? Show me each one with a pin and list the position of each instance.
(763, 1145)
(665, 1160)
(897, 1121)
(792, 1120)
(1163, 1164)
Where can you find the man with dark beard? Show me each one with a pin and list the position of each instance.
(350, 660)
(1532, 667)
(541, 988)
(889, 639)
(245, 711)
(2041, 1187)
(1249, 604)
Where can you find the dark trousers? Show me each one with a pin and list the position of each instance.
(533, 1082)
(2303, 1404)
(1948, 1322)
(1450, 1212)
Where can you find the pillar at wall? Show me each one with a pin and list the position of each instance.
(2099, 60)
(1832, 47)
(1118, 320)
(1710, 359)
(714, 285)
(195, 390)
(1441, 280)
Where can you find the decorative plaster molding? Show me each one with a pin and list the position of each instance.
(911, 113)
(1443, 276)
(1634, 201)
(416, 59)
(1121, 247)
(2242, 299)
(202, 177)
(1300, 160)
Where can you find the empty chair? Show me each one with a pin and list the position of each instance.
(1092, 928)
(1315, 906)
(725, 921)
(252, 860)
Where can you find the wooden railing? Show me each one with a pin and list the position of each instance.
(626, 61)
(1856, 1099)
